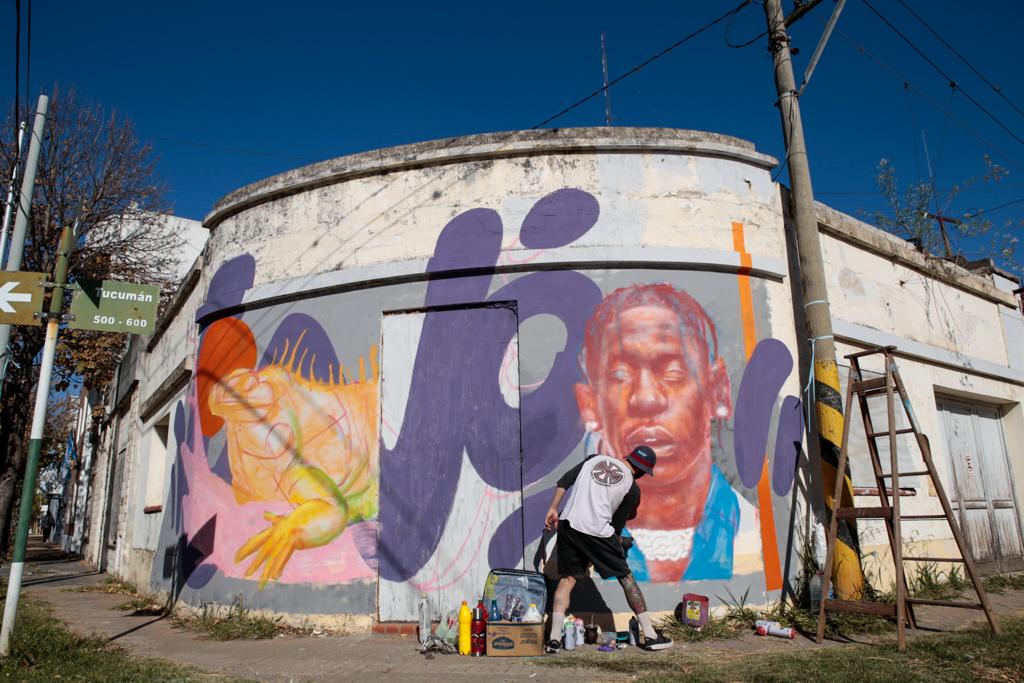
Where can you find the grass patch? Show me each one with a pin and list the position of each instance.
(141, 604)
(111, 586)
(960, 656)
(236, 622)
(1000, 583)
(43, 649)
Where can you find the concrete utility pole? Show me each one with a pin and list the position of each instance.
(849, 578)
(9, 204)
(35, 444)
(28, 184)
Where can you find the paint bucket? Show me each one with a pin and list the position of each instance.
(695, 610)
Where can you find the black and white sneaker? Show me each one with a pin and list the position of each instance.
(662, 642)
(553, 646)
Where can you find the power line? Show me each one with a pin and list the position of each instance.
(642, 64)
(238, 150)
(17, 59)
(994, 208)
(885, 67)
(952, 82)
(998, 90)
(959, 190)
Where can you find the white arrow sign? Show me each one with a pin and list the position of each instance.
(8, 296)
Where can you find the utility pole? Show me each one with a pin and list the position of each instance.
(9, 204)
(849, 578)
(28, 184)
(35, 444)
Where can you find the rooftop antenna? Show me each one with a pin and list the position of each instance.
(607, 95)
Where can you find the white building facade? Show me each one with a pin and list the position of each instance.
(380, 365)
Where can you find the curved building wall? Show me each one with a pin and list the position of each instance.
(401, 351)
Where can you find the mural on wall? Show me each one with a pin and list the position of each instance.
(654, 378)
(278, 469)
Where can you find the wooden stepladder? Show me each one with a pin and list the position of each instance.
(903, 609)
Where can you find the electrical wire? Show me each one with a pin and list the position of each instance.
(974, 214)
(885, 67)
(998, 90)
(28, 54)
(913, 130)
(17, 59)
(939, 69)
(238, 150)
(642, 64)
(744, 44)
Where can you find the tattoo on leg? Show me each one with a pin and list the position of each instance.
(634, 598)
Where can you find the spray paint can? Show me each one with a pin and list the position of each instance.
(765, 623)
(581, 636)
(569, 634)
(777, 631)
(634, 631)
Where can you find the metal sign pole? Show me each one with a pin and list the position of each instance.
(28, 184)
(35, 446)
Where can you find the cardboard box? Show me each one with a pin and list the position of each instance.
(507, 639)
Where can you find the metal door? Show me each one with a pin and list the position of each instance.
(983, 495)
(451, 463)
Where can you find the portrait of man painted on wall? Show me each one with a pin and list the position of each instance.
(653, 377)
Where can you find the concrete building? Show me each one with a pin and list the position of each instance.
(379, 366)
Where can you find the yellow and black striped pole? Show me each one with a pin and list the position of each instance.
(847, 576)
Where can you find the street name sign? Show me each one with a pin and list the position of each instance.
(111, 306)
(21, 297)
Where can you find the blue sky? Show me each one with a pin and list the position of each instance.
(304, 81)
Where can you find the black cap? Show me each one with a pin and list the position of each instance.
(644, 459)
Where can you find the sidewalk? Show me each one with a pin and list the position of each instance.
(50, 573)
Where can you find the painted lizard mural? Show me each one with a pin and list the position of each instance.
(310, 443)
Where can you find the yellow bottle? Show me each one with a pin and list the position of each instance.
(465, 624)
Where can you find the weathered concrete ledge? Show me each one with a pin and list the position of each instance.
(485, 147)
(866, 236)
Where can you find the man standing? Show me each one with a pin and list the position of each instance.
(604, 497)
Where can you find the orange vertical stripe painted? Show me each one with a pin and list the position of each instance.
(766, 516)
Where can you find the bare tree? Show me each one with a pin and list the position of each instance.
(94, 169)
(913, 207)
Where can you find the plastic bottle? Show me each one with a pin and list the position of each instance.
(494, 614)
(424, 614)
(569, 633)
(814, 588)
(465, 629)
(533, 614)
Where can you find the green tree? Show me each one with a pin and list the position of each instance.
(94, 169)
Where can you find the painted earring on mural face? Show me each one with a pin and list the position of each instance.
(721, 411)
(591, 426)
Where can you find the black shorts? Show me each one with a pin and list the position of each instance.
(577, 551)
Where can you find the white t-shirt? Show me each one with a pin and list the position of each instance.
(596, 494)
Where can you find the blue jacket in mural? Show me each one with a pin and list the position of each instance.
(711, 553)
